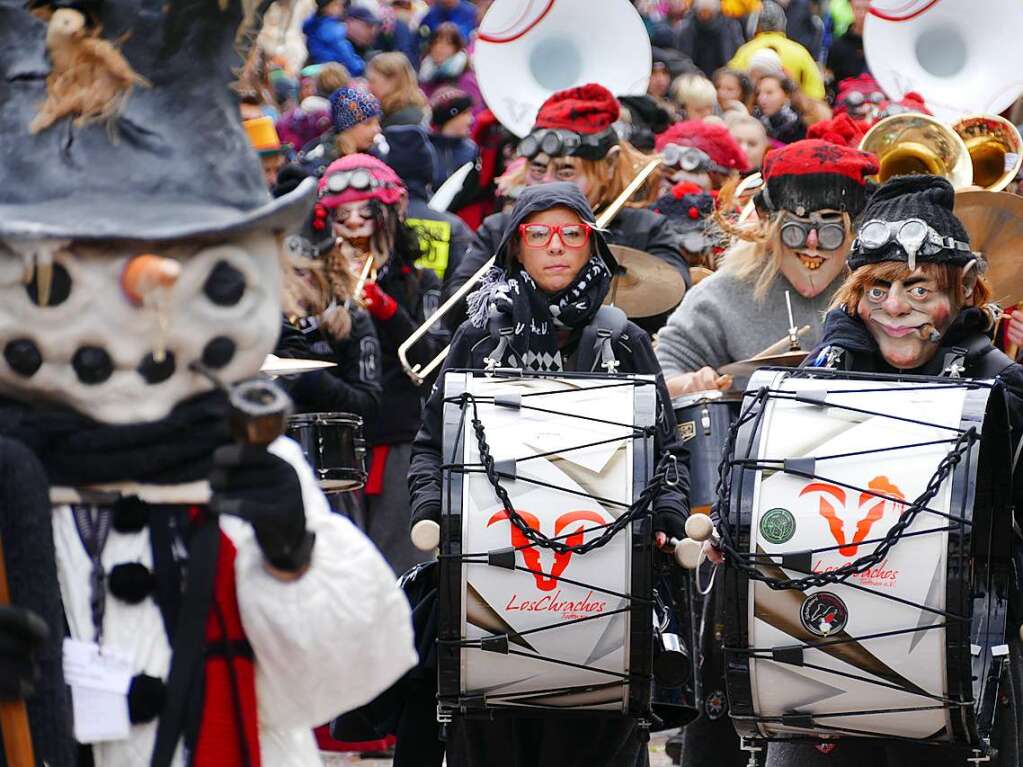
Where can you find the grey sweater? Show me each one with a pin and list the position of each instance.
(719, 322)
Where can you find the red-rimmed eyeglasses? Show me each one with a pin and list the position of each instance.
(540, 235)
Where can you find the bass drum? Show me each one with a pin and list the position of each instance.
(870, 534)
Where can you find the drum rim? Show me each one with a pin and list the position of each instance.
(327, 419)
(705, 397)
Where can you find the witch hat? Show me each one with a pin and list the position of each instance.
(171, 162)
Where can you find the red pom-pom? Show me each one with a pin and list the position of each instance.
(319, 225)
(320, 210)
(682, 188)
(694, 213)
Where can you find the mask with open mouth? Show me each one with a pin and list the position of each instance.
(809, 269)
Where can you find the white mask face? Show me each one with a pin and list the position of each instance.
(93, 349)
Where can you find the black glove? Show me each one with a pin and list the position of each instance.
(22, 633)
(671, 523)
(252, 483)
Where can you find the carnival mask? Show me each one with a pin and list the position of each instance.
(813, 249)
(111, 328)
(907, 318)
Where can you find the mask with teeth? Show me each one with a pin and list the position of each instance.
(110, 328)
(810, 269)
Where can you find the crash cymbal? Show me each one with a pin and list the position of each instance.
(743, 369)
(282, 366)
(994, 221)
(645, 286)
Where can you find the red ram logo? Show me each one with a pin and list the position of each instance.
(869, 502)
(531, 555)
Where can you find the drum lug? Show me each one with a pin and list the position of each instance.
(755, 746)
(445, 714)
(979, 756)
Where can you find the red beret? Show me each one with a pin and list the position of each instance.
(817, 175)
(589, 108)
(842, 130)
(712, 139)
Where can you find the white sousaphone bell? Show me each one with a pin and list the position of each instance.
(528, 49)
(960, 55)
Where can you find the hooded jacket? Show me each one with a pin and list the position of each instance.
(472, 344)
(327, 40)
(640, 229)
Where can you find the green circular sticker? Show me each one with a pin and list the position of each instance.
(778, 525)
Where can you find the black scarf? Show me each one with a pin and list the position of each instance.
(75, 450)
(537, 316)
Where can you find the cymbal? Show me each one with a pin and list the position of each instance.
(699, 273)
(645, 286)
(994, 221)
(282, 366)
(745, 368)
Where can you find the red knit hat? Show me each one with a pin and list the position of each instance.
(842, 130)
(712, 139)
(816, 175)
(586, 109)
(380, 182)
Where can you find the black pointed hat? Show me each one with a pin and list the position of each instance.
(174, 162)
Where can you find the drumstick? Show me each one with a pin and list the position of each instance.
(13, 714)
(782, 345)
(724, 382)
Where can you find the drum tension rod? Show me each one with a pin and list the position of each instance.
(497, 643)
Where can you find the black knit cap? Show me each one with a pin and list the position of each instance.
(929, 198)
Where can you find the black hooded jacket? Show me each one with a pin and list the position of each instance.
(471, 344)
(640, 229)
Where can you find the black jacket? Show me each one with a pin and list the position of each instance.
(846, 58)
(417, 292)
(710, 45)
(351, 387)
(635, 228)
(468, 349)
(443, 237)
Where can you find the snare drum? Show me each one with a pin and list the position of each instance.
(522, 629)
(829, 471)
(334, 446)
(703, 421)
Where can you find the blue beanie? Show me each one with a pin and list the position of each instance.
(349, 107)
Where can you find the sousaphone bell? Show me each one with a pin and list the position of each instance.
(912, 143)
(995, 147)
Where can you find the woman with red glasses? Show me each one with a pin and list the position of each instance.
(554, 270)
(368, 203)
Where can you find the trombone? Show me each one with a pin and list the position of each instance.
(419, 373)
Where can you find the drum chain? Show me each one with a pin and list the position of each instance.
(640, 508)
(747, 562)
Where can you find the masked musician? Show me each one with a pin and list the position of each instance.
(368, 202)
(554, 272)
(574, 140)
(701, 153)
(333, 327)
(920, 314)
(813, 191)
(214, 609)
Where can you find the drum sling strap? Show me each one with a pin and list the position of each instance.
(596, 344)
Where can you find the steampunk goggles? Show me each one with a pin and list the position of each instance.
(559, 143)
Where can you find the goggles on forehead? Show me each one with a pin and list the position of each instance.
(856, 99)
(688, 158)
(914, 235)
(559, 143)
(830, 233)
(359, 179)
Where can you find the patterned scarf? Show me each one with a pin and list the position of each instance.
(536, 316)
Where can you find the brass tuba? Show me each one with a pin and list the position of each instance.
(912, 143)
(995, 148)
